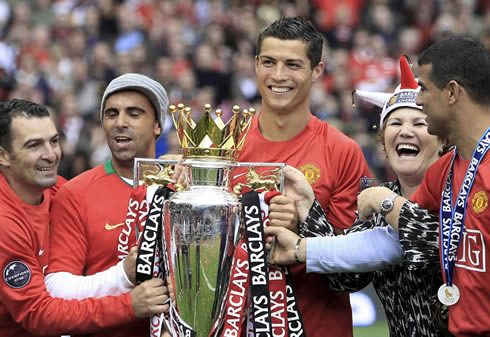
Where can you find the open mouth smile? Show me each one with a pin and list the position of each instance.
(407, 150)
(45, 169)
(122, 139)
(279, 90)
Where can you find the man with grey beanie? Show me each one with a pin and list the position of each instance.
(89, 228)
(153, 91)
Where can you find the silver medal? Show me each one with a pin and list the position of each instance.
(448, 294)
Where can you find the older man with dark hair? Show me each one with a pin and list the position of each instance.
(29, 158)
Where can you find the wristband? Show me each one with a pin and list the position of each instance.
(296, 251)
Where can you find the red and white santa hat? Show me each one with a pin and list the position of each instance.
(403, 97)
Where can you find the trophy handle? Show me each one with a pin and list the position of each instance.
(266, 180)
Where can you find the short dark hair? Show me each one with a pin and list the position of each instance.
(295, 28)
(15, 108)
(462, 59)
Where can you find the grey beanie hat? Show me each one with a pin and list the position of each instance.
(153, 90)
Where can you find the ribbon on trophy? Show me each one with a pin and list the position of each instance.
(260, 298)
(149, 241)
(452, 219)
(146, 220)
(285, 312)
(231, 318)
(260, 301)
(136, 215)
(152, 261)
(149, 250)
(259, 295)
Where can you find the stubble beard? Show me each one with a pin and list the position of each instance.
(124, 158)
(46, 182)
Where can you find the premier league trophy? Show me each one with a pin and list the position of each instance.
(201, 224)
(204, 218)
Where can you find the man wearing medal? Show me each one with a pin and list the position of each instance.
(454, 76)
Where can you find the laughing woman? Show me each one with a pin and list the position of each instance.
(407, 291)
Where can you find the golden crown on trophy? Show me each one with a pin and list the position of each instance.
(211, 138)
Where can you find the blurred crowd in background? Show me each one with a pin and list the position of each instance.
(63, 53)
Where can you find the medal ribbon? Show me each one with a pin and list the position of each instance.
(452, 218)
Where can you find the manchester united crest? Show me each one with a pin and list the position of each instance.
(479, 203)
(392, 100)
(311, 172)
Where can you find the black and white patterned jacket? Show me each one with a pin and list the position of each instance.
(408, 291)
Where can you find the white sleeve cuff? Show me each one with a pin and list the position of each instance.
(365, 251)
(112, 281)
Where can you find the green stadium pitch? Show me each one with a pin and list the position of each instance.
(378, 329)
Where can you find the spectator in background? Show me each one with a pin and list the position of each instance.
(113, 42)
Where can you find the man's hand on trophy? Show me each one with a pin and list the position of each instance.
(180, 174)
(129, 264)
(297, 187)
(282, 212)
(150, 297)
(284, 248)
(170, 156)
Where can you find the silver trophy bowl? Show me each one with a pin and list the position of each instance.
(204, 223)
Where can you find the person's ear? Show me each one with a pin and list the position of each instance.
(157, 130)
(4, 157)
(318, 71)
(453, 91)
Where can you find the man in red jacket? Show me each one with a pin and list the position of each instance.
(29, 159)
